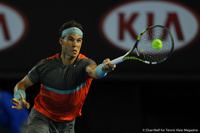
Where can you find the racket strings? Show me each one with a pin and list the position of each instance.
(146, 50)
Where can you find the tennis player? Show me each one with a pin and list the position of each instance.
(65, 81)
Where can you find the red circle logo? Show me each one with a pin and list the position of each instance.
(13, 26)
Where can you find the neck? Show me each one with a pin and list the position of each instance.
(67, 60)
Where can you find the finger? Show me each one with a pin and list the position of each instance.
(14, 107)
(28, 105)
(15, 101)
(111, 66)
(106, 61)
(22, 97)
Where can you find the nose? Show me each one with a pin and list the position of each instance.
(75, 43)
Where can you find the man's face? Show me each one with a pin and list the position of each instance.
(71, 44)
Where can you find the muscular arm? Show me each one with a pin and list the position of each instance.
(21, 85)
(91, 69)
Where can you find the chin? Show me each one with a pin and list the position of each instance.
(74, 56)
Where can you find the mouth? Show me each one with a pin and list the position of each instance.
(74, 51)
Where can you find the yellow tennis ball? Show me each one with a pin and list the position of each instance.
(157, 44)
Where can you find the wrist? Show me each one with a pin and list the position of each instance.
(17, 95)
(100, 72)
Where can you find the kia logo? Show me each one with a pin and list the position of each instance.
(13, 26)
(121, 25)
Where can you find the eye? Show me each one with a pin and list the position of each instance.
(79, 40)
(71, 39)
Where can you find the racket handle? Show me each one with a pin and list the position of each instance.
(117, 60)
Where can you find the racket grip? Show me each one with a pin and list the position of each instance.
(117, 60)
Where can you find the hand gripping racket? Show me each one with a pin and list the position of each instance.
(144, 49)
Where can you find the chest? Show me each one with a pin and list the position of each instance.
(63, 77)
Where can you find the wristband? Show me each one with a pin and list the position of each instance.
(100, 72)
(17, 95)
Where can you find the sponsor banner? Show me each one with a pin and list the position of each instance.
(121, 25)
(13, 26)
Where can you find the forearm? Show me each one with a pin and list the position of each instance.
(20, 95)
(91, 70)
(21, 87)
(101, 70)
(23, 84)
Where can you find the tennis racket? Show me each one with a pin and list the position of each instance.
(143, 49)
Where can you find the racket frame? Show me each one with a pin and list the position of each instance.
(127, 57)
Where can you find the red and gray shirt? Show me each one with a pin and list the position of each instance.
(63, 88)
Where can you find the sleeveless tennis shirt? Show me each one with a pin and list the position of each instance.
(63, 88)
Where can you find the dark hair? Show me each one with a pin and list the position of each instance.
(71, 23)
